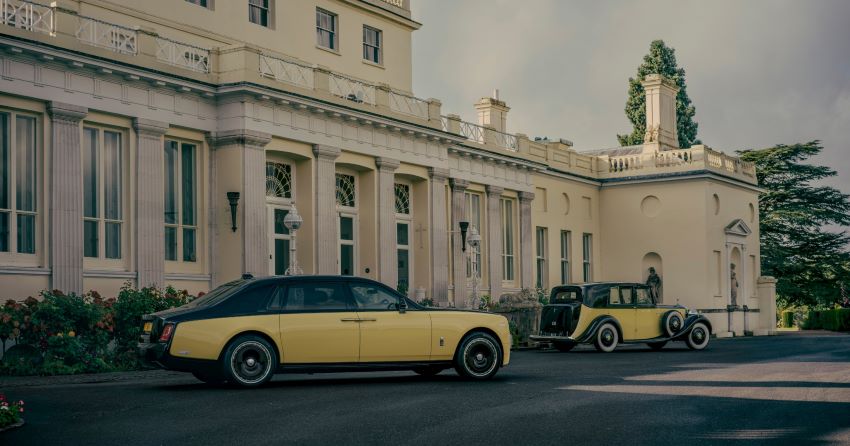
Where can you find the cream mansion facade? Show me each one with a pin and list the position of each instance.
(127, 129)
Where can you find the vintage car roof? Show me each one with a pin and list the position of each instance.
(595, 284)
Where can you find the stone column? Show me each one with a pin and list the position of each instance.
(767, 306)
(494, 241)
(252, 200)
(387, 247)
(66, 197)
(327, 237)
(439, 237)
(526, 241)
(150, 205)
(458, 255)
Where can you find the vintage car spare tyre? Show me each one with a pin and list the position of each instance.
(606, 338)
(478, 356)
(672, 322)
(698, 336)
(249, 361)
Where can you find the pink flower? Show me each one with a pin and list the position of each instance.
(21, 409)
(21, 403)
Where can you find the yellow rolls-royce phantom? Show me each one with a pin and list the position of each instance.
(245, 331)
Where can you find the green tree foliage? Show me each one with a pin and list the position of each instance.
(660, 60)
(809, 262)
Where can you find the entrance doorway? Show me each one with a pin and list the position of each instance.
(279, 240)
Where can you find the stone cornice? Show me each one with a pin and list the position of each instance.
(70, 113)
(150, 128)
(326, 152)
(438, 174)
(387, 164)
(249, 138)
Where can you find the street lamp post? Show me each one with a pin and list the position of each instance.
(474, 243)
(293, 221)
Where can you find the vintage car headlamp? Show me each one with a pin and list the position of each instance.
(691, 312)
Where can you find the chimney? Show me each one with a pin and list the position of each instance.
(661, 132)
(493, 112)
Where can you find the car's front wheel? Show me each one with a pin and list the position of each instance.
(698, 336)
(249, 361)
(606, 338)
(478, 356)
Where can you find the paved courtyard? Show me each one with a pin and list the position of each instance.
(788, 389)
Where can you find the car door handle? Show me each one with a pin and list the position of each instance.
(368, 319)
(350, 319)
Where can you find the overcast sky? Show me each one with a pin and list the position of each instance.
(758, 72)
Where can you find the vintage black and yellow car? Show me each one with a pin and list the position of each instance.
(607, 314)
(247, 330)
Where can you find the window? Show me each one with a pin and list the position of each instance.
(345, 190)
(507, 239)
(258, 12)
(566, 249)
(281, 239)
(199, 2)
(346, 201)
(541, 257)
(181, 183)
(403, 222)
(251, 301)
(621, 295)
(643, 296)
(17, 183)
(278, 180)
(316, 297)
(587, 255)
(374, 298)
(472, 202)
(402, 199)
(326, 35)
(102, 193)
(372, 45)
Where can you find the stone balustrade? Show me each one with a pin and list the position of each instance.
(696, 158)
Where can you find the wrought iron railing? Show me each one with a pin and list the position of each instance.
(107, 35)
(287, 71)
(183, 55)
(352, 89)
(27, 15)
(408, 105)
(483, 135)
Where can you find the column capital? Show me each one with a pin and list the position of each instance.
(458, 184)
(387, 164)
(150, 128)
(326, 152)
(67, 112)
(251, 138)
(438, 174)
(494, 190)
(525, 197)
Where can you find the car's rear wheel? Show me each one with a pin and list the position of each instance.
(563, 346)
(672, 323)
(698, 336)
(249, 361)
(656, 345)
(209, 378)
(606, 338)
(428, 371)
(478, 356)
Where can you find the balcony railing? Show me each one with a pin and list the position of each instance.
(286, 71)
(27, 15)
(351, 89)
(408, 105)
(182, 55)
(480, 134)
(107, 35)
(697, 157)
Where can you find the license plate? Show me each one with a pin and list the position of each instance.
(148, 327)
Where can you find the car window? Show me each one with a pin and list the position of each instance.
(626, 295)
(251, 300)
(643, 297)
(614, 297)
(372, 297)
(316, 297)
(565, 296)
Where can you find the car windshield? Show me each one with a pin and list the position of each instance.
(217, 295)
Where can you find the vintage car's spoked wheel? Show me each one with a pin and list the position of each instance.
(563, 346)
(478, 356)
(656, 345)
(698, 336)
(249, 361)
(672, 322)
(606, 338)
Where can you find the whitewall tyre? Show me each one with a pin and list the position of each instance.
(478, 356)
(606, 338)
(249, 361)
(698, 336)
(672, 323)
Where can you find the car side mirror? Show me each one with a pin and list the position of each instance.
(402, 305)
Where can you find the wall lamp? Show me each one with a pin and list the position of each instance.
(233, 198)
(464, 226)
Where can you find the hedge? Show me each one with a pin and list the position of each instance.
(835, 320)
(68, 333)
(787, 319)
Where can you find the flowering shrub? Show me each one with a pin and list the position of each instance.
(67, 333)
(10, 413)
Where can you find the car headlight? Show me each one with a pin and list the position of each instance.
(691, 312)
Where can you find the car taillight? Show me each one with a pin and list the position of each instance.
(167, 331)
